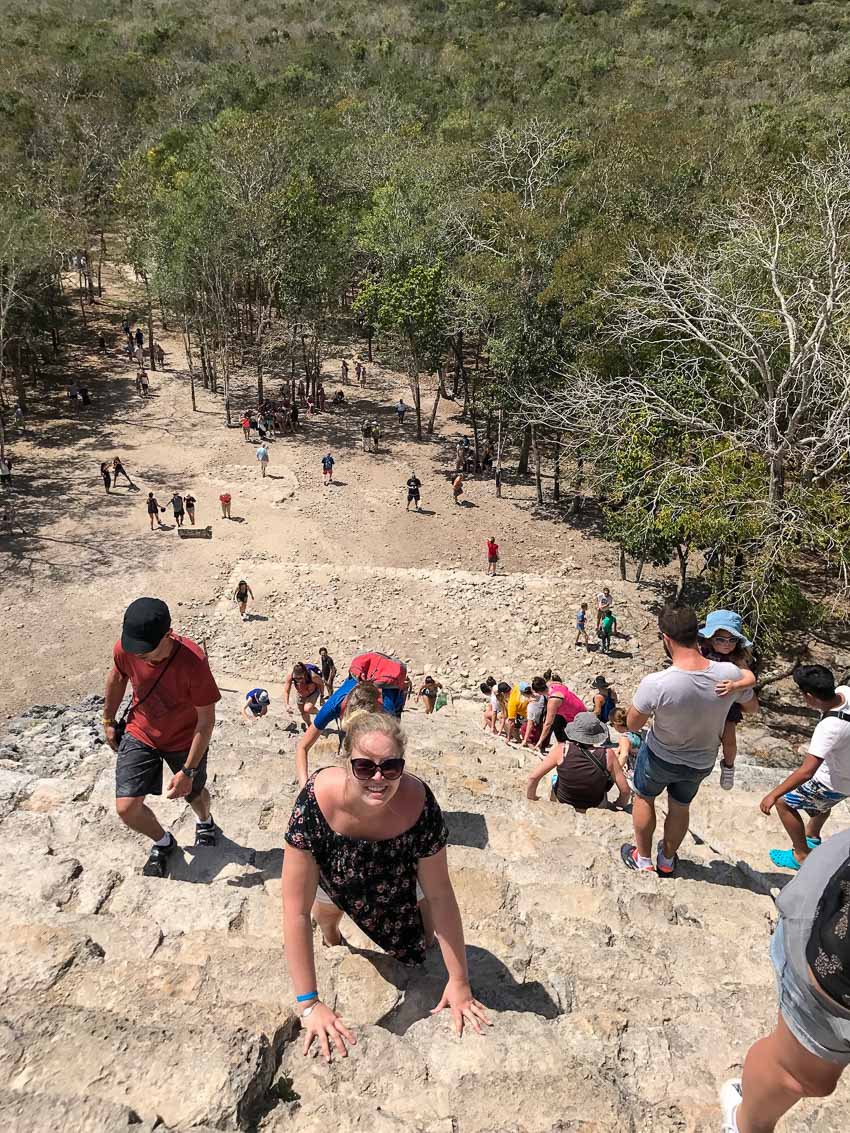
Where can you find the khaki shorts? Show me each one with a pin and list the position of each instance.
(323, 899)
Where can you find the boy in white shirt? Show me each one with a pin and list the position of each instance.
(823, 778)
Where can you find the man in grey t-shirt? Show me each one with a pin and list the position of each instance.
(688, 704)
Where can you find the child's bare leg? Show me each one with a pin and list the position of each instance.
(815, 824)
(729, 743)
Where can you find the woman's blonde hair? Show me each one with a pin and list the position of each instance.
(618, 719)
(367, 723)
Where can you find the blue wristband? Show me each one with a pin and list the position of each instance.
(308, 996)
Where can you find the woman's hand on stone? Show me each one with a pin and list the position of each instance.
(464, 1007)
(324, 1027)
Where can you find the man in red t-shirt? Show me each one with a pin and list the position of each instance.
(170, 720)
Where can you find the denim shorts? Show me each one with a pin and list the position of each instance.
(653, 775)
(806, 1015)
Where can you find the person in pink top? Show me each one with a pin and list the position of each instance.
(562, 707)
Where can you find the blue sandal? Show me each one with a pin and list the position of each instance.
(784, 859)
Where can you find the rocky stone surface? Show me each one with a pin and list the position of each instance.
(620, 1003)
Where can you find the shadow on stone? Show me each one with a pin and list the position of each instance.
(467, 829)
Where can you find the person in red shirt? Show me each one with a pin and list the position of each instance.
(170, 720)
(492, 554)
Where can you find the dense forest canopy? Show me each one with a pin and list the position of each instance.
(535, 200)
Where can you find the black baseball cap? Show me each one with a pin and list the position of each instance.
(146, 622)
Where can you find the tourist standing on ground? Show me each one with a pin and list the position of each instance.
(263, 458)
(809, 1048)
(190, 502)
(492, 555)
(607, 627)
(680, 749)
(722, 639)
(604, 699)
(344, 370)
(118, 469)
(144, 383)
(428, 693)
(586, 768)
(105, 475)
(225, 500)
(240, 596)
(457, 487)
(413, 486)
(369, 840)
(245, 422)
(170, 720)
(140, 337)
(154, 510)
(177, 504)
(308, 689)
(604, 601)
(581, 626)
(327, 469)
(401, 409)
(376, 435)
(823, 778)
(328, 668)
(562, 707)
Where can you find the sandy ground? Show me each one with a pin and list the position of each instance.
(86, 554)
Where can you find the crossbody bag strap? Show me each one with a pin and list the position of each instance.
(153, 686)
(589, 753)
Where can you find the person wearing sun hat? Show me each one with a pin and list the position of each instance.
(587, 768)
(809, 1048)
(722, 638)
(170, 721)
(604, 698)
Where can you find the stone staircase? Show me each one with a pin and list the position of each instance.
(620, 1002)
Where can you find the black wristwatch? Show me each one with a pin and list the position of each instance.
(189, 772)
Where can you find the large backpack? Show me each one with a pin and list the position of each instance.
(388, 673)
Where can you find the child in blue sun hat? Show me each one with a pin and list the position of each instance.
(722, 638)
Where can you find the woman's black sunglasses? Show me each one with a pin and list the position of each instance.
(366, 768)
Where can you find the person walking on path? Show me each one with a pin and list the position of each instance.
(140, 338)
(457, 487)
(225, 500)
(177, 504)
(369, 840)
(413, 486)
(154, 510)
(118, 469)
(263, 458)
(144, 383)
(366, 434)
(680, 749)
(245, 422)
(607, 627)
(170, 721)
(105, 475)
(492, 555)
(586, 769)
(581, 626)
(604, 699)
(401, 409)
(190, 502)
(240, 596)
(823, 778)
(308, 689)
(604, 601)
(429, 692)
(327, 470)
(807, 1051)
(326, 664)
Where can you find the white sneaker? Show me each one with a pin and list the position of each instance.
(727, 776)
(730, 1098)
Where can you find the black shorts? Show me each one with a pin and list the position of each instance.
(256, 709)
(559, 729)
(412, 496)
(138, 770)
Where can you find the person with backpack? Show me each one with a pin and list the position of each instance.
(809, 1048)
(604, 699)
(822, 780)
(169, 722)
(327, 469)
(375, 678)
(586, 769)
(308, 689)
(256, 704)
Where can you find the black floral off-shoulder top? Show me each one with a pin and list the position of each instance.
(374, 882)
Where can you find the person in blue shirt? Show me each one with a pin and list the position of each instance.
(328, 468)
(351, 696)
(256, 703)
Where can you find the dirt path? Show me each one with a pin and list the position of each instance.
(86, 554)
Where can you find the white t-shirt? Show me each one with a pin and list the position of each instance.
(831, 742)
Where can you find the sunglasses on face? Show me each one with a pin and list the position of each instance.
(366, 768)
(723, 639)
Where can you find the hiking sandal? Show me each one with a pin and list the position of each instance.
(205, 835)
(157, 863)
